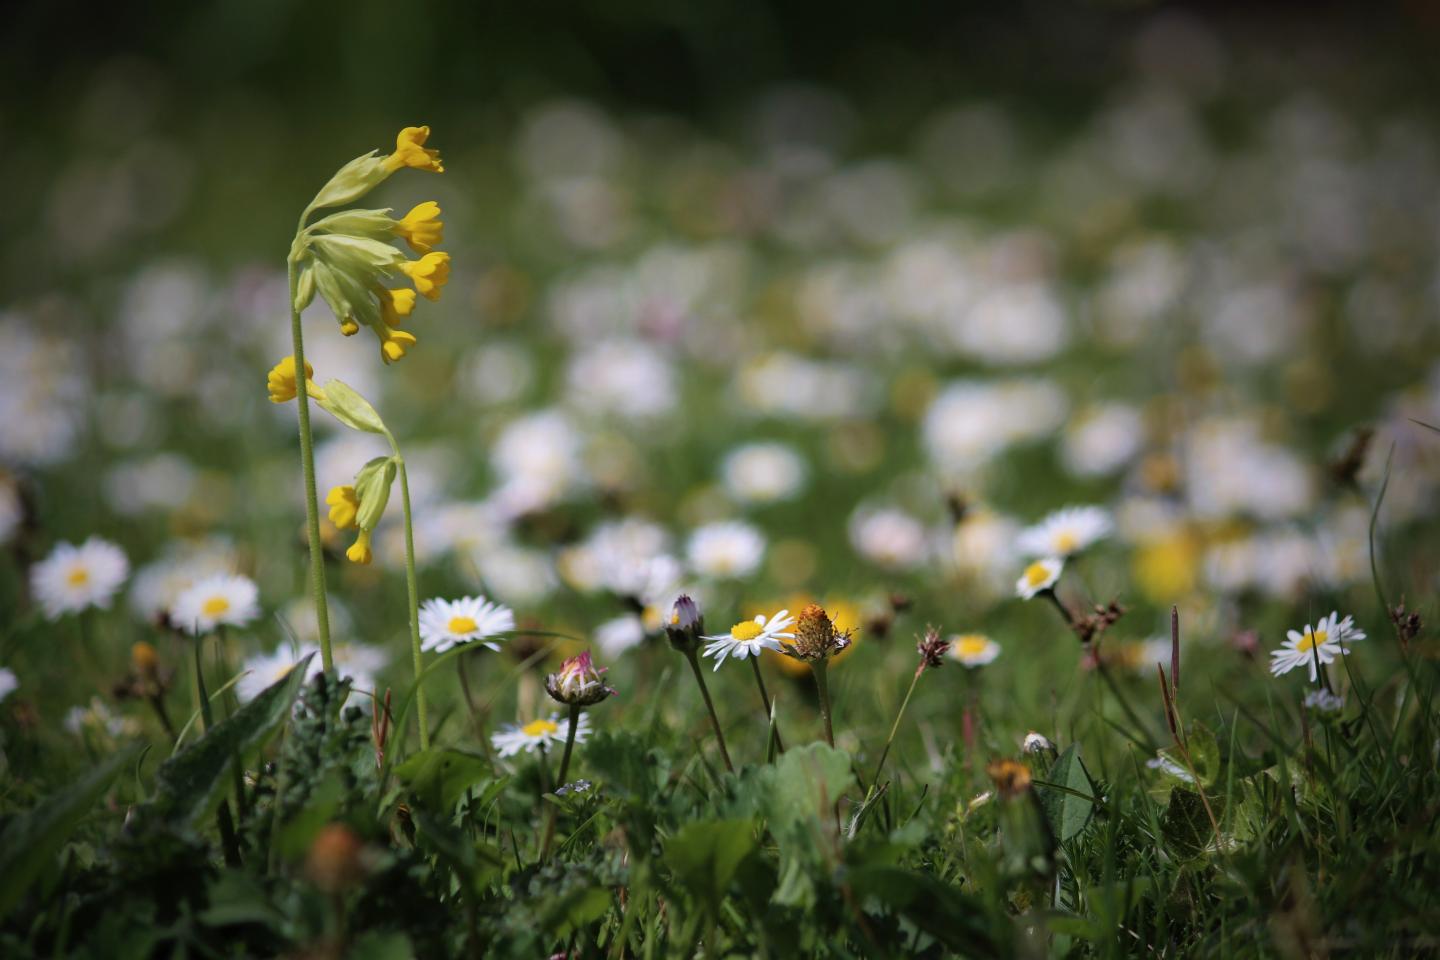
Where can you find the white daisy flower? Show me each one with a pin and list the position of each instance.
(889, 538)
(262, 670)
(445, 623)
(748, 637)
(225, 600)
(73, 578)
(97, 715)
(973, 649)
(763, 473)
(357, 661)
(1039, 577)
(727, 549)
(8, 682)
(1325, 641)
(1065, 532)
(536, 734)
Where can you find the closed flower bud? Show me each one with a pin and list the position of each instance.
(578, 682)
(372, 485)
(352, 181)
(685, 625)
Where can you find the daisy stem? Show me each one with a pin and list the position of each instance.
(765, 699)
(413, 587)
(207, 720)
(895, 728)
(307, 463)
(569, 743)
(710, 707)
(822, 687)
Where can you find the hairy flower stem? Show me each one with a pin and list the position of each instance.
(553, 815)
(207, 720)
(765, 699)
(895, 728)
(710, 708)
(822, 687)
(412, 586)
(307, 463)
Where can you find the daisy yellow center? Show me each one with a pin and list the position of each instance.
(78, 577)
(215, 606)
(1312, 639)
(1036, 574)
(540, 728)
(1066, 541)
(745, 630)
(465, 625)
(970, 645)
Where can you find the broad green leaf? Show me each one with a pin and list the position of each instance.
(705, 855)
(1068, 813)
(937, 908)
(189, 786)
(575, 910)
(440, 776)
(30, 840)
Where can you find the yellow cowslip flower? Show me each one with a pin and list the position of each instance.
(429, 273)
(282, 385)
(421, 227)
(410, 151)
(395, 343)
(359, 551)
(395, 304)
(344, 505)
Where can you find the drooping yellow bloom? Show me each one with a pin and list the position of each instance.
(344, 505)
(410, 151)
(395, 344)
(359, 551)
(429, 273)
(395, 304)
(421, 227)
(282, 385)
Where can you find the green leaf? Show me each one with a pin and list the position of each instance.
(574, 910)
(1185, 825)
(30, 840)
(440, 776)
(379, 945)
(1068, 813)
(705, 855)
(936, 908)
(190, 785)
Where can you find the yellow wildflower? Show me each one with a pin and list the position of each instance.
(359, 551)
(421, 227)
(429, 273)
(410, 151)
(282, 385)
(395, 343)
(344, 505)
(395, 304)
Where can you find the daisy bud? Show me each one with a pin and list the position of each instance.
(1039, 752)
(578, 682)
(335, 862)
(686, 625)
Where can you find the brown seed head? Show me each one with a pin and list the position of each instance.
(1011, 777)
(931, 648)
(334, 863)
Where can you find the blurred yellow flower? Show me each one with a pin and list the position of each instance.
(421, 227)
(410, 151)
(429, 273)
(344, 506)
(1166, 568)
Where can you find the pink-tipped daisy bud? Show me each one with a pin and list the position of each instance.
(685, 625)
(578, 682)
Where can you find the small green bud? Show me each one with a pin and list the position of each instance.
(352, 181)
(372, 486)
(346, 405)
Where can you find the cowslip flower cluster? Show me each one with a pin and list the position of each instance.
(349, 259)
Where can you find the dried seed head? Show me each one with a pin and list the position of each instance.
(931, 648)
(815, 635)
